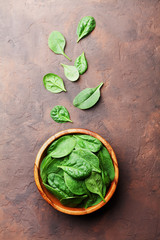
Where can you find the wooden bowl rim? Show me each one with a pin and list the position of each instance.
(68, 210)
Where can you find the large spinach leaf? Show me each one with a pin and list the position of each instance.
(88, 142)
(53, 83)
(77, 168)
(87, 98)
(94, 184)
(85, 26)
(60, 114)
(53, 166)
(43, 167)
(57, 182)
(81, 64)
(56, 191)
(106, 164)
(86, 156)
(92, 200)
(56, 43)
(70, 72)
(73, 201)
(75, 186)
(62, 147)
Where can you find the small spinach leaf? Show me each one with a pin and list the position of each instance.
(94, 184)
(62, 147)
(88, 142)
(73, 201)
(85, 26)
(81, 64)
(87, 98)
(106, 164)
(56, 43)
(53, 83)
(70, 72)
(60, 114)
(75, 186)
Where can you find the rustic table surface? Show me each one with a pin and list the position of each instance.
(124, 52)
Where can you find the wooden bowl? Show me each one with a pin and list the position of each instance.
(53, 201)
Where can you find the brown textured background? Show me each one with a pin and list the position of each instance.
(124, 52)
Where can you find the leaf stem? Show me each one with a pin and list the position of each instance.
(66, 56)
(100, 85)
(102, 198)
(69, 120)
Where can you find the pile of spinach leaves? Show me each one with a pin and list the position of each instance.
(78, 170)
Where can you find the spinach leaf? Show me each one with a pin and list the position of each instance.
(53, 166)
(44, 165)
(81, 64)
(76, 167)
(75, 186)
(57, 182)
(56, 43)
(85, 26)
(62, 147)
(56, 191)
(94, 184)
(73, 201)
(87, 98)
(88, 142)
(60, 114)
(104, 188)
(106, 164)
(87, 157)
(53, 83)
(70, 72)
(92, 200)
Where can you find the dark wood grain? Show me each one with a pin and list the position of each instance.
(124, 52)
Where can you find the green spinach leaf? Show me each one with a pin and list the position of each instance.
(70, 72)
(76, 167)
(55, 191)
(87, 157)
(94, 184)
(73, 201)
(87, 98)
(43, 167)
(81, 64)
(88, 142)
(104, 190)
(92, 200)
(85, 26)
(57, 182)
(106, 164)
(53, 166)
(60, 114)
(62, 147)
(75, 186)
(53, 83)
(56, 43)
